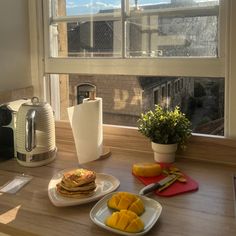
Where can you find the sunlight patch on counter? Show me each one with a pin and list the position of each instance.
(10, 215)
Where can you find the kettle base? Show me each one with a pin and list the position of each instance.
(35, 160)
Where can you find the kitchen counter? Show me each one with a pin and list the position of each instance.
(209, 211)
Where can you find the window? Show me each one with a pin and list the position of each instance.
(163, 95)
(131, 29)
(82, 92)
(169, 92)
(156, 96)
(140, 39)
(202, 99)
(181, 83)
(82, 38)
(176, 86)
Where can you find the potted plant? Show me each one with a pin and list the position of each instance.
(167, 130)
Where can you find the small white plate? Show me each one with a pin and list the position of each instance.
(105, 184)
(100, 212)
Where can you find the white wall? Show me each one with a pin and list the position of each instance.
(14, 45)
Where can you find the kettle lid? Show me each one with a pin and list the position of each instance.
(34, 102)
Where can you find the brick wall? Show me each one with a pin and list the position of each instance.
(122, 96)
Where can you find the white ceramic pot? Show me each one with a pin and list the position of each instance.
(164, 153)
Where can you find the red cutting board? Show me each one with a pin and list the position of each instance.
(174, 189)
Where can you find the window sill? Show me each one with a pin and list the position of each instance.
(204, 148)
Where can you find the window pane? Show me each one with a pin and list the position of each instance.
(153, 28)
(183, 29)
(126, 97)
(86, 28)
(79, 40)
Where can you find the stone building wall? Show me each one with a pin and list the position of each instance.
(122, 96)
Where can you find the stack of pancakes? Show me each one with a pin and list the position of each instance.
(77, 183)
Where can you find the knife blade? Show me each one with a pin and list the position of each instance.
(167, 181)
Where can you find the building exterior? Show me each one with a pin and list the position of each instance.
(126, 97)
(148, 35)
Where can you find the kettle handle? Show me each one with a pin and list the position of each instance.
(30, 130)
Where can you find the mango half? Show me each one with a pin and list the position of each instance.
(146, 169)
(125, 220)
(126, 201)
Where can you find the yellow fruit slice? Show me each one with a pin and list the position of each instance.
(114, 219)
(137, 207)
(125, 220)
(147, 169)
(182, 179)
(114, 201)
(134, 208)
(131, 214)
(136, 225)
(126, 201)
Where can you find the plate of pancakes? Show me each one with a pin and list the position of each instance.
(79, 186)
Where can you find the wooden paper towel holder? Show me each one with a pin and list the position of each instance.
(106, 152)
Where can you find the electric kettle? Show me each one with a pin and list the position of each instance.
(35, 134)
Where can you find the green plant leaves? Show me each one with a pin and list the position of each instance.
(164, 126)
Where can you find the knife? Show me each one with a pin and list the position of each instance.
(167, 181)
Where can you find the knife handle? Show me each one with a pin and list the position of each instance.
(149, 188)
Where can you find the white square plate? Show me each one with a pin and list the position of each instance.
(100, 212)
(105, 184)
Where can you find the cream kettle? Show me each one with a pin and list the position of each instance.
(35, 134)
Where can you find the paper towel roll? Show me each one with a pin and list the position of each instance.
(86, 123)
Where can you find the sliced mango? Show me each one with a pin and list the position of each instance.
(135, 225)
(125, 220)
(114, 202)
(114, 219)
(126, 201)
(131, 214)
(137, 207)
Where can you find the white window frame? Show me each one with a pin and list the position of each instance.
(202, 67)
(224, 66)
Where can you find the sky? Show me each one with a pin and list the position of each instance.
(83, 6)
(75, 7)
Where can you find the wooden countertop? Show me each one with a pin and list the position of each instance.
(209, 211)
